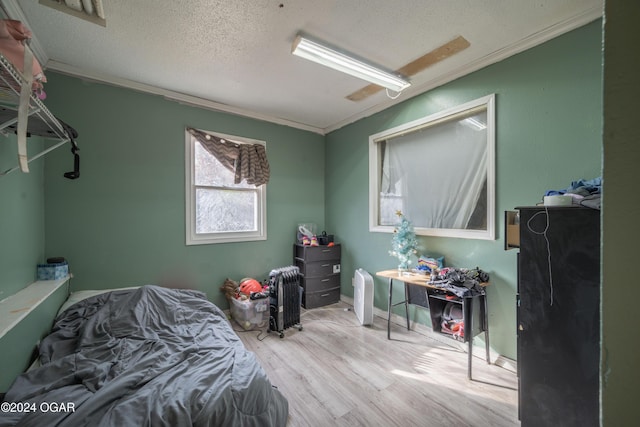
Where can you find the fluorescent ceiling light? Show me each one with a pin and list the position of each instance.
(316, 52)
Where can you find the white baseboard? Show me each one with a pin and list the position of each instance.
(506, 363)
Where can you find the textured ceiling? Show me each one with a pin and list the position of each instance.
(235, 55)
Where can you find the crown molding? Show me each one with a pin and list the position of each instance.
(533, 40)
(181, 98)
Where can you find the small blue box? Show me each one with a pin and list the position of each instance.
(53, 271)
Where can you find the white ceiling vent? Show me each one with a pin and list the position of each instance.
(90, 10)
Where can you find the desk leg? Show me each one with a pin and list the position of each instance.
(389, 310)
(470, 330)
(486, 328)
(406, 305)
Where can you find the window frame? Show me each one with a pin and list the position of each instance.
(375, 169)
(193, 238)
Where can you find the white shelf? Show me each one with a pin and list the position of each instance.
(17, 306)
(37, 119)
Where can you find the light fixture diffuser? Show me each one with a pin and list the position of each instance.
(317, 52)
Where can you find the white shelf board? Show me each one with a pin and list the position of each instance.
(16, 307)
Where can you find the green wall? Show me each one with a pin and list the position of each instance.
(123, 222)
(18, 345)
(21, 217)
(22, 242)
(548, 114)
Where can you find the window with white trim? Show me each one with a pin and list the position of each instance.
(439, 171)
(217, 209)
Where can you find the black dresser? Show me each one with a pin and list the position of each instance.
(319, 274)
(558, 320)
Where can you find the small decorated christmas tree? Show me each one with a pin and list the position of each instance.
(404, 243)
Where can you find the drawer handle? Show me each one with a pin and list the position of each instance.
(326, 250)
(324, 295)
(325, 265)
(325, 280)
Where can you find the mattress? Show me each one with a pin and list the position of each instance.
(73, 298)
(144, 356)
(78, 296)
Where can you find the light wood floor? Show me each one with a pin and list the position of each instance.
(336, 372)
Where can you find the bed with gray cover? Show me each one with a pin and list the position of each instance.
(144, 357)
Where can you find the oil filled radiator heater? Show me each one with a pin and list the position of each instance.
(284, 295)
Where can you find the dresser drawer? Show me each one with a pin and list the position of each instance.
(318, 284)
(316, 253)
(318, 268)
(318, 299)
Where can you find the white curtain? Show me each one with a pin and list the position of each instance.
(435, 175)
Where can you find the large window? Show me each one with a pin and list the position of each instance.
(217, 209)
(438, 171)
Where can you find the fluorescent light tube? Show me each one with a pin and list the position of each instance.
(316, 52)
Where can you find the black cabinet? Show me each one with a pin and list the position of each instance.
(558, 320)
(319, 274)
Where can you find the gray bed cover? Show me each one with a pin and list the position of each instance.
(146, 357)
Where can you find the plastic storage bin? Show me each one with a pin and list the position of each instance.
(250, 314)
(53, 271)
